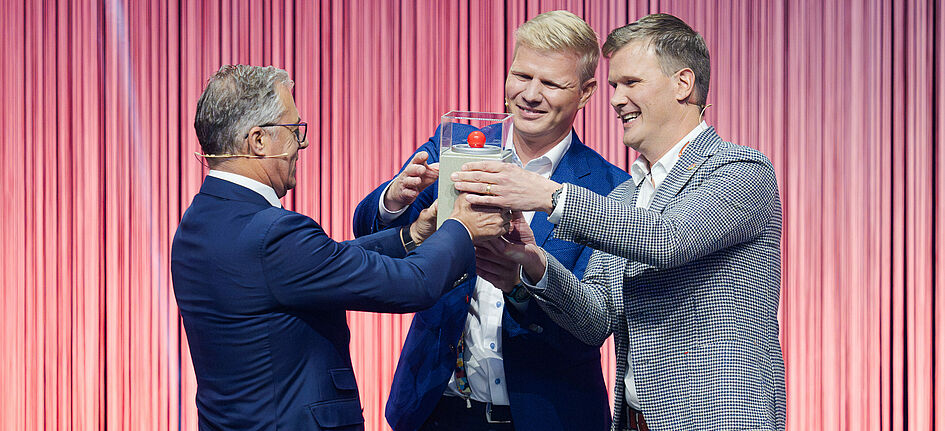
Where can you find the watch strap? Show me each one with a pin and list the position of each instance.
(407, 239)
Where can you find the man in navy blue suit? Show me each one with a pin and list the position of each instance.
(263, 291)
(519, 369)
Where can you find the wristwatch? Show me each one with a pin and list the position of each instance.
(407, 239)
(555, 196)
(519, 294)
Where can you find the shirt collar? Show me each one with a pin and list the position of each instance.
(639, 169)
(256, 186)
(551, 158)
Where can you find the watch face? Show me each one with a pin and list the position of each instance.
(519, 293)
(554, 198)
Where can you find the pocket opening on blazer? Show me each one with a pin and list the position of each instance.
(343, 378)
(337, 413)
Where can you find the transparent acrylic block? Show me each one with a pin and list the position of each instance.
(459, 144)
(455, 127)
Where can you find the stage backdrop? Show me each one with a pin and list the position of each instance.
(845, 97)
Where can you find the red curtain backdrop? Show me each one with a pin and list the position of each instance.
(846, 97)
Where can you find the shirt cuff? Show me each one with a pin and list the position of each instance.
(533, 287)
(558, 211)
(386, 215)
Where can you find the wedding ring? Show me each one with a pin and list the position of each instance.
(489, 189)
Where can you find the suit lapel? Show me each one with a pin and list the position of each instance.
(693, 156)
(572, 168)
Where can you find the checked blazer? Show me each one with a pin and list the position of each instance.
(689, 287)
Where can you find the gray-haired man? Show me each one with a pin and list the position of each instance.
(263, 291)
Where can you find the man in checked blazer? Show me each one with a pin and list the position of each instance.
(687, 269)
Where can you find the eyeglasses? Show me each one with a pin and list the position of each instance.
(300, 131)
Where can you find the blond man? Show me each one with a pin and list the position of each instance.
(486, 357)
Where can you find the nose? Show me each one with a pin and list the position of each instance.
(532, 93)
(619, 98)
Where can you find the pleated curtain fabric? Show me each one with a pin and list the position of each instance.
(847, 98)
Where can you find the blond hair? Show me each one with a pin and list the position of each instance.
(560, 30)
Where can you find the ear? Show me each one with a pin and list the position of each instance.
(685, 85)
(257, 140)
(587, 90)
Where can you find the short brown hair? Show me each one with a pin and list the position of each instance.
(676, 44)
(560, 30)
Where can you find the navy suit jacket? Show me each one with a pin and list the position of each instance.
(263, 292)
(554, 381)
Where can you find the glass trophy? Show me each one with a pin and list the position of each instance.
(468, 137)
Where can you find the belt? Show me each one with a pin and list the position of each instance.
(490, 413)
(635, 421)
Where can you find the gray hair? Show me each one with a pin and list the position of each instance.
(560, 30)
(238, 98)
(676, 44)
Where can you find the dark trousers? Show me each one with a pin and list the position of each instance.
(452, 414)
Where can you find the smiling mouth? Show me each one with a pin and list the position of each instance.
(628, 117)
(530, 111)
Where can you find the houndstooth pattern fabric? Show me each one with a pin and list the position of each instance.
(689, 286)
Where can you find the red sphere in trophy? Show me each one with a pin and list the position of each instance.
(476, 139)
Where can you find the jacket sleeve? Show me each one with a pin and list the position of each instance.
(305, 269)
(732, 205)
(584, 307)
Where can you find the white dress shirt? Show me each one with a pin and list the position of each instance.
(483, 332)
(267, 192)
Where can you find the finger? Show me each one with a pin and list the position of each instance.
(491, 201)
(485, 166)
(476, 187)
(475, 176)
(411, 182)
(420, 158)
(486, 209)
(434, 166)
(414, 170)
